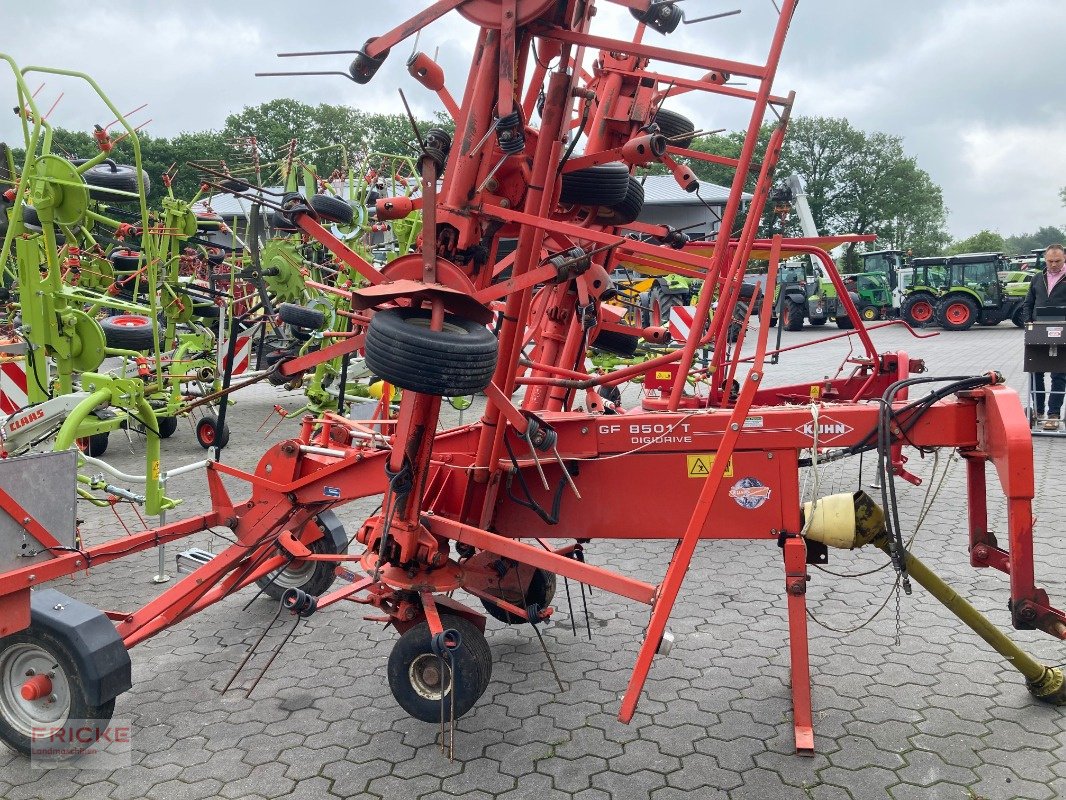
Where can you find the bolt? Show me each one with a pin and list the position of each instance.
(32, 578)
(1027, 612)
(584, 431)
(769, 455)
(25, 520)
(734, 427)
(980, 553)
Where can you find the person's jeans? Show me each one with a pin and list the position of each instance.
(1058, 387)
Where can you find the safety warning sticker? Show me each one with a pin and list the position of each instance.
(699, 465)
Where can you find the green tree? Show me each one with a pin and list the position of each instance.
(1023, 243)
(984, 242)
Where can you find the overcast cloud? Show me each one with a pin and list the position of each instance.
(973, 87)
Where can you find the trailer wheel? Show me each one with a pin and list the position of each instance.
(598, 185)
(95, 445)
(794, 315)
(41, 686)
(956, 313)
(418, 678)
(402, 350)
(206, 434)
(541, 592)
(128, 332)
(167, 426)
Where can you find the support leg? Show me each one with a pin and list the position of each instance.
(796, 590)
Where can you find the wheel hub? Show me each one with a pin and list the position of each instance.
(426, 673)
(34, 692)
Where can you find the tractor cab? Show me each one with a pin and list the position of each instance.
(974, 293)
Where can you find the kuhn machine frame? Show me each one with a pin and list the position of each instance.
(480, 507)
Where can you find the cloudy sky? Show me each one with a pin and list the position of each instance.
(974, 87)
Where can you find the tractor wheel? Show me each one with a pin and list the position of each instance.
(659, 307)
(622, 345)
(129, 332)
(675, 127)
(301, 317)
(957, 313)
(612, 394)
(332, 209)
(541, 592)
(740, 310)
(95, 445)
(628, 210)
(42, 687)
(206, 434)
(402, 350)
(106, 179)
(167, 426)
(844, 322)
(794, 315)
(819, 321)
(599, 185)
(1018, 317)
(868, 313)
(313, 577)
(423, 683)
(918, 310)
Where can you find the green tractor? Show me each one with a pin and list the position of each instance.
(802, 293)
(973, 293)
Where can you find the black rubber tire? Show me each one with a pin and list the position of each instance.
(95, 445)
(313, 577)
(740, 310)
(30, 218)
(205, 310)
(619, 344)
(844, 322)
(215, 256)
(794, 316)
(473, 670)
(124, 260)
(818, 321)
(168, 426)
(208, 222)
(672, 124)
(868, 313)
(1018, 317)
(612, 394)
(128, 332)
(116, 177)
(403, 351)
(332, 209)
(541, 592)
(301, 317)
(39, 636)
(949, 323)
(920, 300)
(205, 432)
(659, 306)
(598, 185)
(628, 210)
(280, 222)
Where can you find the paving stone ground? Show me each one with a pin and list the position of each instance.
(934, 714)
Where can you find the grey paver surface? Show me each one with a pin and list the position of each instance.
(934, 715)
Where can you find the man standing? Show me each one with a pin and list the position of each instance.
(1048, 289)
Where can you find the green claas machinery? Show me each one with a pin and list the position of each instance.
(957, 292)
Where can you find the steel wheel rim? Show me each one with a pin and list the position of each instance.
(17, 663)
(127, 321)
(293, 576)
(207, 433)
(421, 676)
(958, 313)
(922, 311)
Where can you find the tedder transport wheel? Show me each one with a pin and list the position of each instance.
(599, 185)
(117, 178)
(541, 592)
(794, 314)
(301, 317)
(205, 433)
(402, 350)
(917, 310)
(128, 332)
(95, 445)
(622, 345)
(628, 210)
(332, 209)
(675, 127)
(418, 677)
(167, 426)
(42, 687)
(956, 313)
(313, 577)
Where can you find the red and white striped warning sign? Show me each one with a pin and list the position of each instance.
(12, 386)
(242, 356)
(681, 318)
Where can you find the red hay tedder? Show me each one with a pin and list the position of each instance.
(480, 507)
